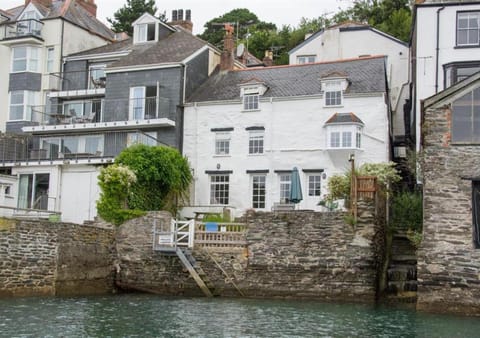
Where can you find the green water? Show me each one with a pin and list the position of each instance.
(139, 315)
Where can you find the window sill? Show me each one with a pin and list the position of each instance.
(344, 148)
(333, 106)
(255, 154)
(250, 110)
(465, 144)
(466, 46)
(221, 155)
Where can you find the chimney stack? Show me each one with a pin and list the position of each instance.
(227, 59)
(46, 3)
(89, 6)
(177, 19)
(268, 59)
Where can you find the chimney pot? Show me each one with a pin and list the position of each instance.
(180, 15)
(174, 15)
(188, 15)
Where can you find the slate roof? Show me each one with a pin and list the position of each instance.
(365, 75)
(344, 118)
(71, 11)
(345, 27)
(173, 49)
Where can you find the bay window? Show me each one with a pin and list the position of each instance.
(21, 103)
(25, 59)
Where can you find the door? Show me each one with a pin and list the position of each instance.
(79, 193)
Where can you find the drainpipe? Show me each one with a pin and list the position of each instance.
(437, 52)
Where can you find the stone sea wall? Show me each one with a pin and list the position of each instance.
(300, 254)
(46, 258)
(448, 261)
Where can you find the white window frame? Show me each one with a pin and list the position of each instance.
(222, 143)
(251, 101)
(50, 59)
(219, 189)
(314, 181)
(137, 103)
(470, 30)
(259, 192)
(29, 99)
(141, 32)
(285, 184)
(339, 134)
(256, 142)
(303, 59)
(31, 59)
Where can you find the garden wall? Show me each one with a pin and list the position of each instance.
(46, 258)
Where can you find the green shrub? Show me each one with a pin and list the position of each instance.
(339, 185)
(116, 182)
(406, 211)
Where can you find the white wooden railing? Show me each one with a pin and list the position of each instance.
(187, 234)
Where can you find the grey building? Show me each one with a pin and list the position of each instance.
(111, 97)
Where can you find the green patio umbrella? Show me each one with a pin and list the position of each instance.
(295, 187)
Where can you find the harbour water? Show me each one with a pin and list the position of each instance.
(142, 315)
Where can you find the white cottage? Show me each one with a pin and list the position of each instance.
(352, 39)
(245, 130)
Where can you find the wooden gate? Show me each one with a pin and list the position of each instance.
(362, 188)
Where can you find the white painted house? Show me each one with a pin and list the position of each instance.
(351, 40)
(245, 130)
(445, 49)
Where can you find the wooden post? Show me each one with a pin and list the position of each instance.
(353, 188)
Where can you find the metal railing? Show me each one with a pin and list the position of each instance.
(101, 110)
(90, 146)
(22, 28)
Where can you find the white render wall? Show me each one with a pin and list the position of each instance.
(75, 40)
(294, 136)
(334, 44)
(426, 44)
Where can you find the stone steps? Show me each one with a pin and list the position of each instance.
(402, 271)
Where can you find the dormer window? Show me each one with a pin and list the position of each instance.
(250, 94)
(146, 29)
(146, 32)
(333, 89)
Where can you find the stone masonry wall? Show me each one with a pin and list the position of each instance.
(46, 258)
(448, 262)
(299, 254)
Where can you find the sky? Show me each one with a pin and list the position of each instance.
(285, 12)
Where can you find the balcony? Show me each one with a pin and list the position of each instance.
(100, 114)
(78, 84)
(28, 29)
(65, 149)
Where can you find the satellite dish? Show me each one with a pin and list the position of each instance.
(240, 50)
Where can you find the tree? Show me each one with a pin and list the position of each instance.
(244, 22)
(131, 11)
(163, 177)
(390, 16)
